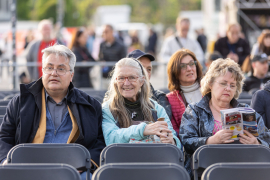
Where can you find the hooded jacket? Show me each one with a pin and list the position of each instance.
(21, 120)
(261, 103)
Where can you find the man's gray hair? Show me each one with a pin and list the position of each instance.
(60, 50)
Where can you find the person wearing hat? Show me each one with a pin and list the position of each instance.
(157, 95)
(259, 71)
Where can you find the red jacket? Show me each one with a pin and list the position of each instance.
(178, 106)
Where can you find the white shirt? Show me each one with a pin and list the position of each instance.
(170, 46)
(192, 93)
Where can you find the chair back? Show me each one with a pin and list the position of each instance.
(38, 171)
(141, 153)
(237, 171)
(141, 171)
(207, 155)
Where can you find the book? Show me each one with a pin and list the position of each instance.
(239, 119)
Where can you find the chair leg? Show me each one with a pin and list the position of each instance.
(88, 174)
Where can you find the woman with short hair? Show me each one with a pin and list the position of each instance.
(201, 122)
(129, 116)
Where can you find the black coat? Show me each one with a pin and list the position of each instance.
(81, 75)
(261, 103)
(253, 82)
(21, 120)
(241, 47)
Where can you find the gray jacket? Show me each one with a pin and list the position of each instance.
(32, 56)
(198, 123)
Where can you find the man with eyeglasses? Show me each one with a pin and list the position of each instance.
(52, 110)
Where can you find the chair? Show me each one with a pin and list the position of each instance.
(38, 172)
(207, 155)
(141, 171)
(73, 154)
(3, 110)
(237, 171)
(246, 101)
(4, 102)
(138, 153)
(245, 95)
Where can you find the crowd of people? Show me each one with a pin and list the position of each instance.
(51, 109)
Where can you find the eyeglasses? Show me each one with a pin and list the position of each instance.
(59, 71)
(225, 85)
(122, 79)
(183, 66)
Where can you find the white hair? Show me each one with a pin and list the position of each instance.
(44, 22)
(60, 50)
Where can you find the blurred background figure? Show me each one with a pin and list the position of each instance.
(212, 57)
(202, 39)
(232, 46)
(135, 42)
(152, 42)
(259, 69)
(90, 39)
(111, 49)
(29, 38)
(33, 51)
(24, 79)
(180, 40)
(263, 43)
(78, 46)
(169, 32)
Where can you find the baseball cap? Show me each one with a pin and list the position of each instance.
(137, 54)
(260, 57)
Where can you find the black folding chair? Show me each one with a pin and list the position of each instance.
(75, 155)
(141, 153)
(141, 171)
(38, 172)
(207, 155)
(237, 171)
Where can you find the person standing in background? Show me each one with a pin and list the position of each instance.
(232, 46)
(202, 39)
(152, 42)
(110, 49)
(33, 51)
(180, 40)
(78, 46)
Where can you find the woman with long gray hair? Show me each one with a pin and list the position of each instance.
(129, 115)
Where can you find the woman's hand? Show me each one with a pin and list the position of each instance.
(221, 137)
(249, 139)
(159, 128)
(169, 139)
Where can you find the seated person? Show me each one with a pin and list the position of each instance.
(157, 95)
(259, 77)
(261, 101)
(129, 115)
(52, 110)
(201, 122)
(212, 57)
(184, 73)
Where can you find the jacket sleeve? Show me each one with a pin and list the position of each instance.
(8, 128)
(113, 134)
(264, 133)
(189, 130)
(163, 101)
(258, 104)
(162, 113)
(96, 149)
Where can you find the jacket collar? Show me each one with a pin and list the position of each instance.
(35, 88)
(204, 103)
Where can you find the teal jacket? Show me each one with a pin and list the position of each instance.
(113, 134)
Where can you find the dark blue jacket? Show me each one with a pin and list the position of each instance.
(23, 114)
(261, 103)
